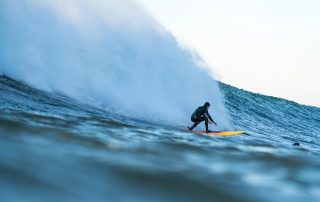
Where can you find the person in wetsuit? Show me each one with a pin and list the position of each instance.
(201, 114)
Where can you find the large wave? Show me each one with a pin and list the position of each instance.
(107, 52)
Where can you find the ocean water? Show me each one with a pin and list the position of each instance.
(54, 148)
(94, 97)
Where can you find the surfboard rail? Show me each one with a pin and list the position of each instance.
(219, 133)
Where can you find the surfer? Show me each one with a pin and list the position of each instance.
(202, 114)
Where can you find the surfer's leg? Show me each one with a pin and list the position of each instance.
(194, 125)
(206, 122)
(196, 122)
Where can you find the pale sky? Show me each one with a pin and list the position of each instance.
(266, 46)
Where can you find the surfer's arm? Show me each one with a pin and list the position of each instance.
(210, 118)
(213, 122)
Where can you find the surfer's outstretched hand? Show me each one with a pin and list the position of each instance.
(212, 122)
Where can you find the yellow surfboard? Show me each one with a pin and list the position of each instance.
(219, 133)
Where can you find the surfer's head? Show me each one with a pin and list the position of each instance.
(207, 104)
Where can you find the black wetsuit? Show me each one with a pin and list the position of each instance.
(199, 115)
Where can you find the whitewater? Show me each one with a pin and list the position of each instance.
(107, 52)
(93, 95)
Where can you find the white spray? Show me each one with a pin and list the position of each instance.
(108, 52)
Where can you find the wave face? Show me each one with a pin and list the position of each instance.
(110, 53)
(267, 116)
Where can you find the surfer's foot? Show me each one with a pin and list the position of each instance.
(190, 128)
(208, 131)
